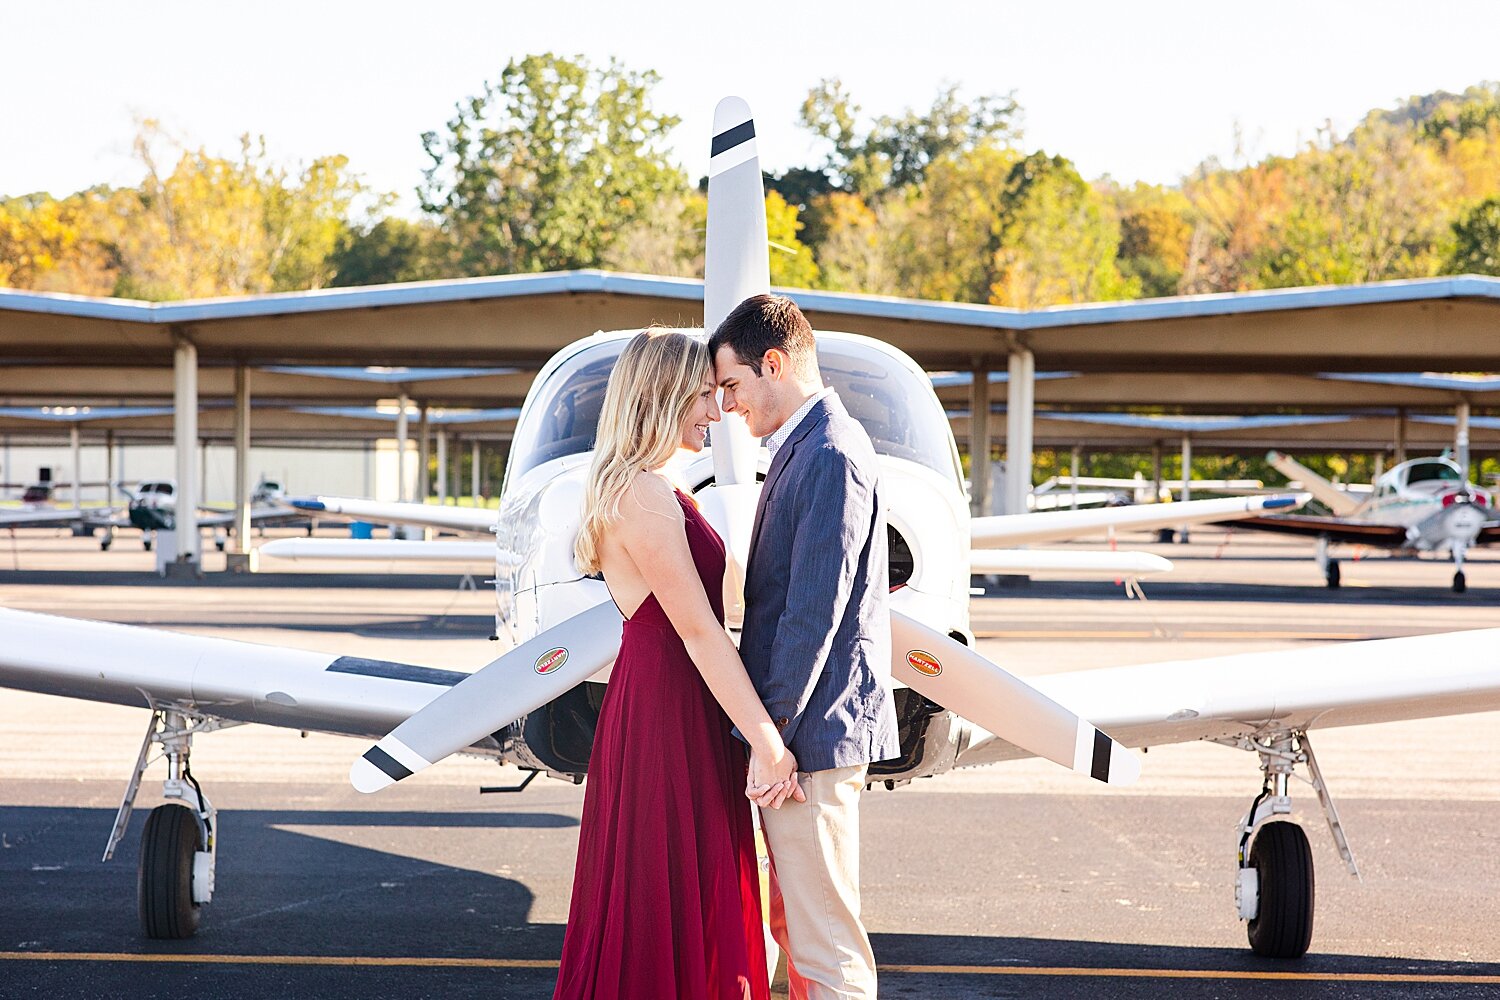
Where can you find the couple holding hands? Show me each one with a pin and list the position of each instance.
(666, 896)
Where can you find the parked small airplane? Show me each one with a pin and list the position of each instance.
(153, 508)
(536, 704)
(1424, 505)
(38, 509)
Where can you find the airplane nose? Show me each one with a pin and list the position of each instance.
(735, 450)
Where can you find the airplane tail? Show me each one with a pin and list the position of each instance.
(1335, 499)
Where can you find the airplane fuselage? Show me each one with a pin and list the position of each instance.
(537, 584)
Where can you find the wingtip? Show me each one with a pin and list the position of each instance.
(305, 504)
(366, 777)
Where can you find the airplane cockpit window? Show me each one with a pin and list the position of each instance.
(895, 406)
(563, 420)
(1429, 471)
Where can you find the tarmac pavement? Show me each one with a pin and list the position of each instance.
(1003, 881)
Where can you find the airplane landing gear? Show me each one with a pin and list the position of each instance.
(1275, 889)
(107, 539)
(179, 845)
(1460, 582)
(1328, 565)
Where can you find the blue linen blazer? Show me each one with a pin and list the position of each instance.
(817, 634)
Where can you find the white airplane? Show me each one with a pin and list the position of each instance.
(536, 704)
(38, 509)
(153, 508)
(1424, 505)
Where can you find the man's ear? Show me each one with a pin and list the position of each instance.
(773, 363)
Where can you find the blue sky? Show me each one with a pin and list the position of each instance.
(1140, 91)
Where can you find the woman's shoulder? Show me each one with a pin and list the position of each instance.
(648, 494)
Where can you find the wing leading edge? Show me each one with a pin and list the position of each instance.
(1355, 683)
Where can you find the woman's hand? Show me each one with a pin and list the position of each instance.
(772, 779)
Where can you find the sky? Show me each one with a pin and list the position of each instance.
(1138, 91)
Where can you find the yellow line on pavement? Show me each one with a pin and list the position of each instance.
(336, 960)
(1332, 977)
(1149, 634)
(417, 961)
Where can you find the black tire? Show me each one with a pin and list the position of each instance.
(1332, 576)
(1460, 583)
(165, 890)
(146, 544)
(1282, 857)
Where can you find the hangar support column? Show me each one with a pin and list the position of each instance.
(1187, 481)
(1461, 436)
(185, 440)
(442, 466)
(474, 474)
(1400, 455)
(1020, 404)
(73, 442)
(241, 469)
(979, 440)
(424, 451)
(402, 437)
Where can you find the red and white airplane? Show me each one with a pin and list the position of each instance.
(1424, 505)
(535, 704)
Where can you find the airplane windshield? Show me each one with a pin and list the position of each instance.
(1429, 471)
(897, 409)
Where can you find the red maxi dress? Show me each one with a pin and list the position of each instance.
(666, 892)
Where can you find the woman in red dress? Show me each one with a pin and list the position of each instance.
(666, 892)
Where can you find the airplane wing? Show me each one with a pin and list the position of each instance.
(50, 518)
(475, 519)
(1338, 529)
(1073, 564)
(1026, 529)
(1335, 499)
(1355, 683)
(226, 679)
(379, 549)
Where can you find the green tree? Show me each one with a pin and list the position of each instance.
(851, 253)
(792, 263)
(215, 226)
(48, 245)
(1369, 208)
(1476, 239)
(666, 240)
(544, 168)
(1057, 239)
(389, 250)
(1155, 230)
(898, 150)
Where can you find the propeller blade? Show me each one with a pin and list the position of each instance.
(951, 674)
(736, 263)
(494, 696)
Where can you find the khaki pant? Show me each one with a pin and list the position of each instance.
(814, 850)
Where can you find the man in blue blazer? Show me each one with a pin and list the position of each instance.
(817, 633)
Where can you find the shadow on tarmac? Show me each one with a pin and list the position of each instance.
(285, 891)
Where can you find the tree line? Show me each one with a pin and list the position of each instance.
(559, 163)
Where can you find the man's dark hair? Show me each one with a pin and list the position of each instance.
(763, 322)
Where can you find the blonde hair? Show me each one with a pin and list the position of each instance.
(659, 375)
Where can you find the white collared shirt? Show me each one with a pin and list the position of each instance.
(778, 438)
